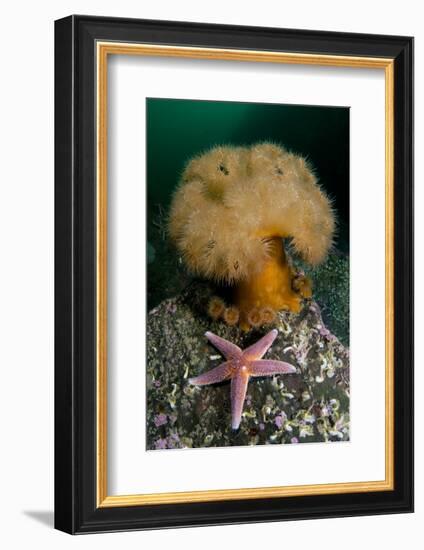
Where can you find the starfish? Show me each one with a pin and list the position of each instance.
(239, 367)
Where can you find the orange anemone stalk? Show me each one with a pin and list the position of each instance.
(273, 288)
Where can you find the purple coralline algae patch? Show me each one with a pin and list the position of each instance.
(160, 420)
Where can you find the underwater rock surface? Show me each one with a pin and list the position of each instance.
(331, 291)
(311, 405)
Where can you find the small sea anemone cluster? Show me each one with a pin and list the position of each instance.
(217, 309)
(230, 214)
(230, 314)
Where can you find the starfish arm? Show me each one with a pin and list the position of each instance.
(238, 395)
(268, 367)
(228, 350)
(258, 350)
(218, 374)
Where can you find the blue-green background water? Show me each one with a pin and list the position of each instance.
(179, 129)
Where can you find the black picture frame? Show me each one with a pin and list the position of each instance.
(76, 509)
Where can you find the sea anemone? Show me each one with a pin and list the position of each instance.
(231, 212)
(231, 315)
(216, 307)
(254, 317)
(268, 315)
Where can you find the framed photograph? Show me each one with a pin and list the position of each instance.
(234, 274)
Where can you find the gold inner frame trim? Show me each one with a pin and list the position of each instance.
(103, 50)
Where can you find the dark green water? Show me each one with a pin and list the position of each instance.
(178, 129)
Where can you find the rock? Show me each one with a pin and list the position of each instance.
(331, 291)
(309, 406)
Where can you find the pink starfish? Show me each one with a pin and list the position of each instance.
(240, 366)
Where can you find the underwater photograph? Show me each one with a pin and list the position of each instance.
(247, 274)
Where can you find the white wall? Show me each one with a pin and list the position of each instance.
(26, 272)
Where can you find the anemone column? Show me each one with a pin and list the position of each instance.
(275, 287)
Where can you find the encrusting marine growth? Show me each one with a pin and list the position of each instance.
(229, 216)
